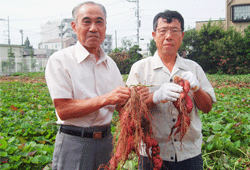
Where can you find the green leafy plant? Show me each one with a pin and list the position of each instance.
(125, 59)
(28, 128)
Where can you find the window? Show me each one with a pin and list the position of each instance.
(241, 13)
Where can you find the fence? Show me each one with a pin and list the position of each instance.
(12, 65)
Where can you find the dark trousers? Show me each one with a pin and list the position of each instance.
(194, 163)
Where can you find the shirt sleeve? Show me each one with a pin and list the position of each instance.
(58, 79)
(133, 76)
(204, 83)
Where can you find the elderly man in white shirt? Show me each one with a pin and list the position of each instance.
(86, 87)
(159, 71)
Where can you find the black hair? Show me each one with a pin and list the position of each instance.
(169, 16)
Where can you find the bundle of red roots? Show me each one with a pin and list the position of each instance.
(134, 127)
(184, 106)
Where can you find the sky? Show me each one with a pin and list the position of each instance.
(30, 15)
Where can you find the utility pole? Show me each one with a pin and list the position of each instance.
(21, 31)
(138, 23)
(115, 39)
(61, 37)
(138, 19)
(61, 27)
(8, 28)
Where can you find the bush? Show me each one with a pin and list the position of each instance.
(218, 50)
(125, 59)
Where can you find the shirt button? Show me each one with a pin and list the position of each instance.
(175, 140)
(173, 120)
(171, 80)
(172, 158)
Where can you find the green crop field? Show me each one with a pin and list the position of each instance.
(28, 128)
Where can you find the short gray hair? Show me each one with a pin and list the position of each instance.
(75, 10)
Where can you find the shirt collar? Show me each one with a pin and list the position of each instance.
(179, 63)
(157, 63)
(82, 53)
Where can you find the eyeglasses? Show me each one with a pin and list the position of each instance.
(173, 31)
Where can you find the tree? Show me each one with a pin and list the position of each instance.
(10, 53)
(27, 43)
(121, 59)
(152, 47)
(117, 50)
(32, 62)
(125, 59)
(246, 42)
(218, 50)
(205, 46)
(134, 55)
(230, 52)
(189, 41)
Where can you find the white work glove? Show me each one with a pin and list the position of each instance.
(194, 83)
(167, 92)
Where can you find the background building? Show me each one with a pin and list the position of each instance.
(59, 43)
(52, 39)
(6, 49)
(14, 58)
(107, 44)
(52, 31)
(237, 15)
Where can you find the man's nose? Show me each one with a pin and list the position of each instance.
(93, 27)
(168, 35)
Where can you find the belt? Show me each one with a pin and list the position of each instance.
(85, 132)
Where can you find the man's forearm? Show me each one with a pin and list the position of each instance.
(74, 108)
(202, 100)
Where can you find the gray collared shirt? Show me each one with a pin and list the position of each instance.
(151, 71)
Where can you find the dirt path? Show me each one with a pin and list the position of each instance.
(22, 79)
(42, 80)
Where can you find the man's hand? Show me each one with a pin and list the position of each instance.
(167, 92)
(194, 83)
(118, 96)
(143, 92)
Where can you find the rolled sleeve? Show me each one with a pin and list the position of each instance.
(205, 84)
(58, 80)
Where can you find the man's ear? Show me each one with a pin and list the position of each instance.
(73, 25)
(153, 34)
(183, 33)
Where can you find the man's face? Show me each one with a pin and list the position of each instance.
(90, 26)
(168, 37)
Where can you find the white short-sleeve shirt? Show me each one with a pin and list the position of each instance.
(73, 73)
(151, 71)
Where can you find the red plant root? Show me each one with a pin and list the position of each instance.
(184, 106)
(134, 127)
